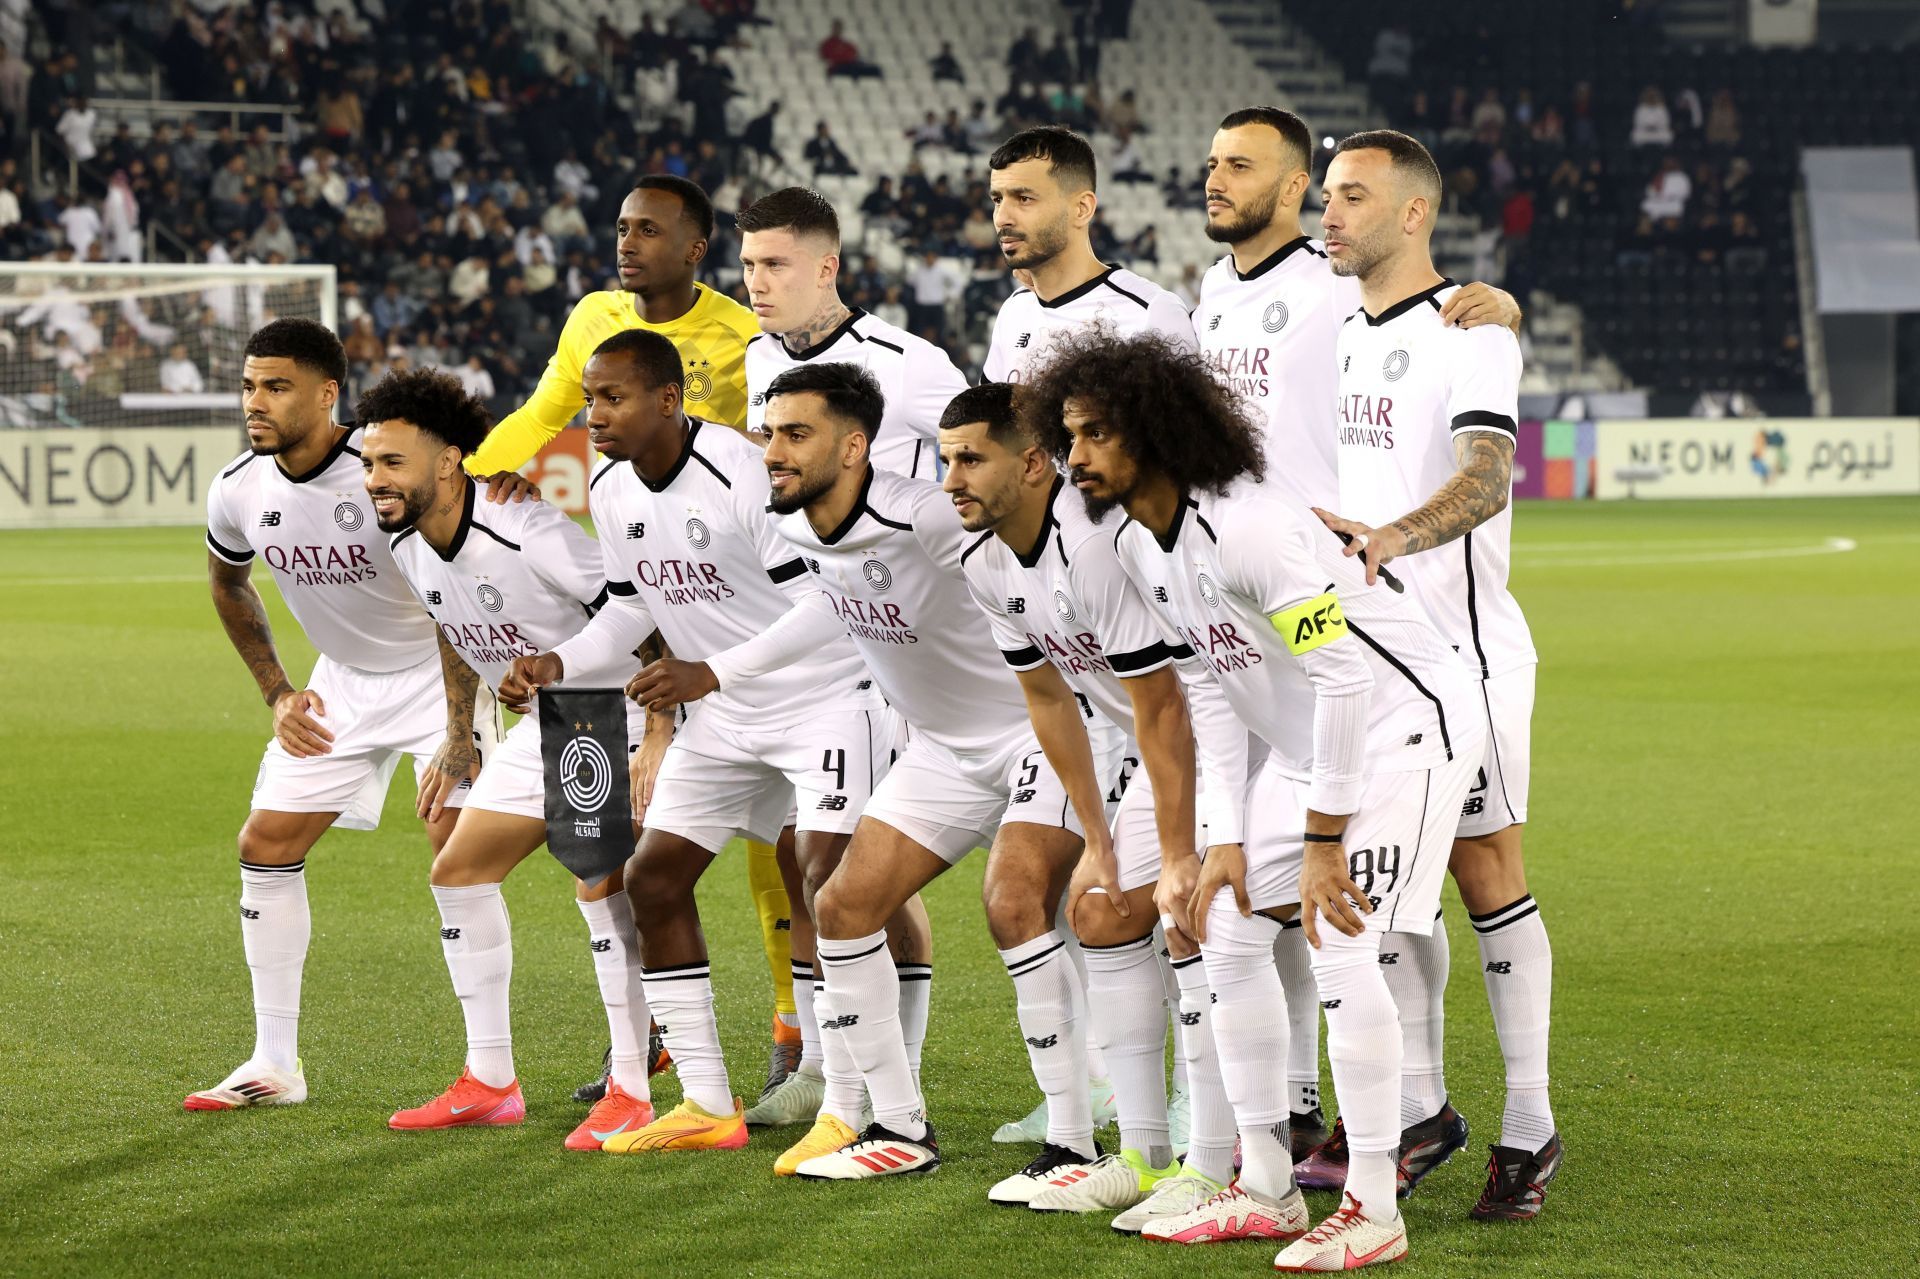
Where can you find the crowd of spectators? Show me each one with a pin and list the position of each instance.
(462, 183)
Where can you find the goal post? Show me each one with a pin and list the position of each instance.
(119, 382)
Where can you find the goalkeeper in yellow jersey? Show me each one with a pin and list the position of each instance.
(665, 225)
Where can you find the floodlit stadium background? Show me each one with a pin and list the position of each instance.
(1717, 553)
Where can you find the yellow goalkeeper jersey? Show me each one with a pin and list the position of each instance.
(712, 340)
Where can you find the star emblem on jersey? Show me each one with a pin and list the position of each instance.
(348, 516)
(1063, 606)
(1395, 367)
(697, 535)
(490, 599)
(1207, 592)
(1275, 317)
(877, 575)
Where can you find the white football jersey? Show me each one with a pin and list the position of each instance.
(1265, 596)
(1119, 300)
(1408, 386)
(317, 533)
(915, 376)
(890, 574)
(698, 556)
(1270, 334)
(1069, 601)
(519, 578)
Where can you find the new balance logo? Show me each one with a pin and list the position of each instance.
(636, 530)
(842, 1022)
(864, 685)
(1189, 1019)
(759, 398)
(1020, 343)
(600, 945)
(449, 934)
(1051, 1041)
(1024, 796)
(1414, 740)
(269, 519)
(433, 597)
(1504, 967)
(1213, 324)
(1160, 594)
(1475, 805)
(249, 914)
(1016, 605)
(1327, 1004)
(783, 925)
(833, 803)
(1390, 957)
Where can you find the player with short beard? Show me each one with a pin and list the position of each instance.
(1367, 715)
(1268, 318)
(1070, 621)
(1427, 433)
(500, 582)
(884, 552)
(1042, 188)
(294, 500)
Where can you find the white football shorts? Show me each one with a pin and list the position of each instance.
(721, 778)
(375, 718)
(1498, 797)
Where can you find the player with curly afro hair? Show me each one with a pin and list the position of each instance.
(433, 401)
(1157, 401)
(418, 426)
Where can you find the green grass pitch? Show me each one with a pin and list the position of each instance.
(1726, 764)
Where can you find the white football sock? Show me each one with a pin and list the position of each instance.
(916, 992)
(846, 1092)
(1129, 1015)
(1416, 971)
(1210, 1131)
(1364, 1049)
(1517, 964)
(1043, 994)
(275, 930)
(615, 944)
(1250, 1032)
(1096, 1060)
(1171, 998)
(1291, 957)
(477, 939)
(803, 1009)
(681, 997)
(865, 994)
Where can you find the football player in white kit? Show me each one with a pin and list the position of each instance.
(1427, 432)
(883, 552)
(790, 266)
(499, 582)
(681, 510)
(1068, 618)
(1269, 315)
(1041, 186)
(1366, 713)
(295, 501)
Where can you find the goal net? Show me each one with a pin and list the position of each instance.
(133, 345)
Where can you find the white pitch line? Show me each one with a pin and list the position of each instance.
(1832, 546)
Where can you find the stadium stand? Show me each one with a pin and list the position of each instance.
(459, 162)
(1648, 180)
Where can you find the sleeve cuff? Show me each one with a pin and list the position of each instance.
(227, 554)
(1335, 799)
(1483, 420)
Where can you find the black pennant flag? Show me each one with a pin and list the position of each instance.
(583, 753)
